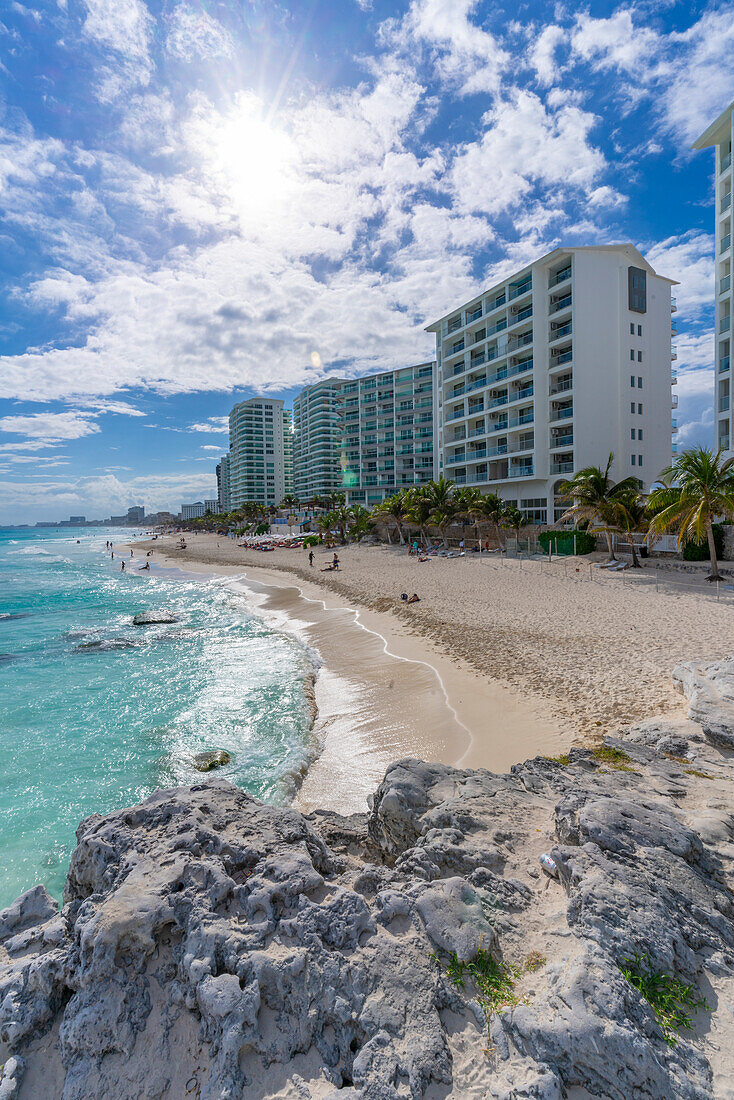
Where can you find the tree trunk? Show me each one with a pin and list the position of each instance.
(712, 549)
(635, 562)
(610, 545)
(399, 526)
(389, 536)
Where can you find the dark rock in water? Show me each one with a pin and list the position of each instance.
(10, 616)
(105, 645)
(146, 618)
(207, 761)
(6, 658)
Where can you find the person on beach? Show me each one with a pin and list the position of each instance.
(131, 553)
(310, 557)
(415, 598)
(123, 568)
(404, 596)
(335, 563)
(112, 555)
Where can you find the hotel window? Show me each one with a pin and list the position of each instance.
(637, 289)
(632, 354)
(632, 406)
(632, 328)
(639, 382)
(639, 434)
(639, 330)
(639, 356)
(639, 409)
(639, 460)
(632, 381)
(632, 433)
(634, 459)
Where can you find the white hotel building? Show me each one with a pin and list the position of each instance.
(260, 452)
(720, 135)
(551, 369)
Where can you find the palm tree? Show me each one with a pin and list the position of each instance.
(289, 502)
(341, 517)
(469, 505)
(631, 511)
(419, 509)
(360, 522)
(325, 522)
(698, 487)
(493, 510)
(394, 508)
(595, 498)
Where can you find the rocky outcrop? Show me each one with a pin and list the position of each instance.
(710, 691)
(213, 947)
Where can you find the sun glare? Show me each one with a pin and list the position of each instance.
(251, 158)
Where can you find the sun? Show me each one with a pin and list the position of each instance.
(252, 160)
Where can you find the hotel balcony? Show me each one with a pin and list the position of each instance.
(673, 305)
(560, 357)
(725, 284)
(724, 363)
(673, 352)
(557, 304)
(561, 385)
(559, 277)
(725, 243)
(725, 162)
(521, 471)
(564, 413)
(674, 378)
(521, 315)
(557, 332)
(523, 418)
(522, 287)
(674, 401)
(561, 439)
(723, 407)
(565, 467)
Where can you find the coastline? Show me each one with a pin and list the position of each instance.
(383, 691)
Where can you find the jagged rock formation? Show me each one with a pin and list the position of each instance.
(148, 618)
(213, 947)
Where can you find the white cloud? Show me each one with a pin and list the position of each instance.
(700, 81)
(524, 143)
(211, 447)
(465, 55)
(616, 42)
(194, 34)
(49, 426)
(688, 258)
(102, 495)
(543, 53)
(215, 424)
(124, 26)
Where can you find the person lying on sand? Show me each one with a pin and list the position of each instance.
(424, 558)
(328, 569)
(415, 598)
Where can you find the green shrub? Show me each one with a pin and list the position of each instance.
(699, 551)
(561, 542)
(668, 997)
(310, 540)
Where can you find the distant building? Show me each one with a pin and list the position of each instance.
(720, 135)
(156, 519)
(136, 514)
(193, 511)
(223, 504)
(118, 521)
(365, 437)
(260, 452)
(74, 521)
(211, 506)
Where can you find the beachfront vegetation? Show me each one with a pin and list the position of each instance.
(598, 500)
(697, 489)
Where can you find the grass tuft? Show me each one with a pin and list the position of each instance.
(701, 775)
(564, 759)
(615, 758)
(494, 982)
(671, 1000)
(534, 962)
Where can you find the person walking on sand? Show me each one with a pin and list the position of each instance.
(310, 557)
(335, 563)
(123, 568)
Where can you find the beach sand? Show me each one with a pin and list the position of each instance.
(500, 661)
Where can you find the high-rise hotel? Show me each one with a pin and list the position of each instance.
(260, 452)
(552, 369)
(365, 437)
(720, 135)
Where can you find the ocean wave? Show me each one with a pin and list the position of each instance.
(33, 551)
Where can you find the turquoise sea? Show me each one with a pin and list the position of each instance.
(95, 713)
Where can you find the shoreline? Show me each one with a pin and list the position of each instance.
(382, 692)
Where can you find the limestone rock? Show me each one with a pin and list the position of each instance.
(213, 946)
(710, 692)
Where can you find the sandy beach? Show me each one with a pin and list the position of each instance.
(499, 661)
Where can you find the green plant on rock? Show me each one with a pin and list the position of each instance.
(672, 1001)
(494, 982)
(613, 758)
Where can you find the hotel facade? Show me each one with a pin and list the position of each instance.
(365, 437)
(552, 369)
(720, 135)
(260, 453)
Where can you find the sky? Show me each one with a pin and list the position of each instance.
(204, 201)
